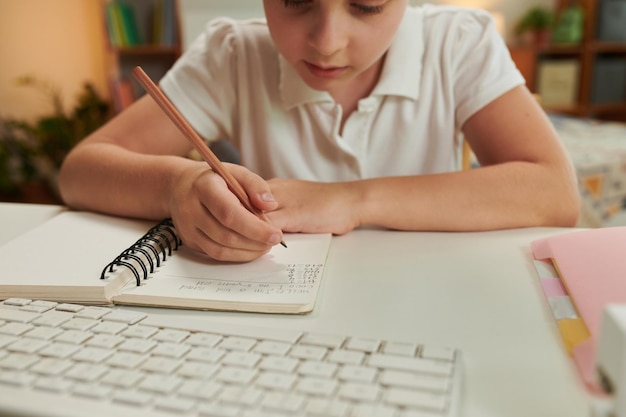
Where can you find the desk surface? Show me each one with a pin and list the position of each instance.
(475, 291)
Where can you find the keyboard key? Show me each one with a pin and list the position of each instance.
(237, 343)
(160, 384)
(16, 378)
(53, 384)
(26, 345)
(44, 333)
(203, 339)
(122, 378)
(92, 391)
(434, 352)
(399, 348)
(422, 382)
(243, 396)
(51, 366)
(202, 390)
(362, 344)
(79, 324)
(346, 357)
(359, 391)
(19, 302)
(236, 375)
(317, 368)
(308, 352)
(18, 316)
(59, 350)
(412, 398)
(276, 380)
(94, 313)
(329, 341)
(18, 361)
(52, 318)
(175, 405)
(357, 373)
(108, 327)
(15, 329)
(317, 386)
(139, 331)
(410, 364)
(128, 317)
(75, 337)
(87, 372)
(46, 304)
(92, 354)
(279, 363)
(70, 308)
(132, 397)
(322, 407)
(287, 402)
(219, 410)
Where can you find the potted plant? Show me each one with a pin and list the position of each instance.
(535, 26)
(31, 153)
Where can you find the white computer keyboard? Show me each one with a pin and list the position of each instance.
(67, 359)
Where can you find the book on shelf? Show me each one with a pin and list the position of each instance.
(558, 82)
(121, 25)
(89, 258)
(164, 21)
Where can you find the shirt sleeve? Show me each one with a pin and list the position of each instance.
(202, 83)
(481, 65)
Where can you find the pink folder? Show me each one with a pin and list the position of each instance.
(592, 266)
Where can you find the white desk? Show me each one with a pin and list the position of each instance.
(476, 291)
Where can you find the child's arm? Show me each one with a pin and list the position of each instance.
(525, 179)
(134, 166)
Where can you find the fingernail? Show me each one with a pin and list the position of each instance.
(267, 197)
(275, 238)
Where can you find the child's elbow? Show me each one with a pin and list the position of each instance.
(566, 210)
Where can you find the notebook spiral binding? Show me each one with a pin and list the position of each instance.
(140, 258)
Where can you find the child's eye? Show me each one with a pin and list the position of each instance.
(295, 3)
(367, 9)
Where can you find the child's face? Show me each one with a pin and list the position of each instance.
(334, 44)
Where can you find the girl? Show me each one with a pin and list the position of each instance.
(345, 113)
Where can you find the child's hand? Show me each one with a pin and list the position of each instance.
(210, 218)
(314, 207)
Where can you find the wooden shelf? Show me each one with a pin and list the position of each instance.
(607, 47)
(586, 54)
(148, 50)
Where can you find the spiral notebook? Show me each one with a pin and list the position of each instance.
(91, 258)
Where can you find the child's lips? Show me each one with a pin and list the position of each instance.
(323, 71)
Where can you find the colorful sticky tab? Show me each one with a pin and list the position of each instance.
(573, 332)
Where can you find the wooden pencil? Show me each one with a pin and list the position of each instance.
(198, 143)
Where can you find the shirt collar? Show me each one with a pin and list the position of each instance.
(400, 76)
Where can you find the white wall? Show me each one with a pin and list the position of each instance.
(195, 13)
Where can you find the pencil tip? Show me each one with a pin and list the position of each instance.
(283, 243)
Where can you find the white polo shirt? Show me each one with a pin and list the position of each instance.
(444, 64)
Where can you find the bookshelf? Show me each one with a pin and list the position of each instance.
(139, 32)
(595, 59)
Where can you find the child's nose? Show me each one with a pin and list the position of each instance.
(328, 34)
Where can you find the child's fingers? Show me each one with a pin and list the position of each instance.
(256, 187)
